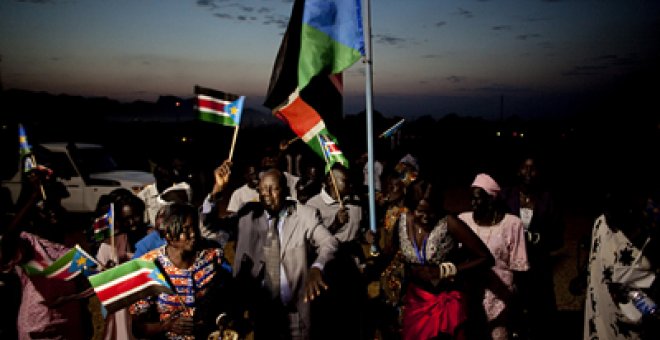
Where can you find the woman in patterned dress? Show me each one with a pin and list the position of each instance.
(434, 301)
(191, 267)
(623, 255)
(434, 267)
(504, 235)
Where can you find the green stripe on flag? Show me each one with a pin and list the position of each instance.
(62, 263)
(120, 271)
(319, 52)
(216, 117)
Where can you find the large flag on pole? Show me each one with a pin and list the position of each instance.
(68, 266)
(219, 107)
(323, 39)
(121, 286)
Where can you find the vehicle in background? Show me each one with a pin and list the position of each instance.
(87, 171)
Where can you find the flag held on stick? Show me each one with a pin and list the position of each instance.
(121, 286)
(323, 38)
(219, 107)
(67, 267)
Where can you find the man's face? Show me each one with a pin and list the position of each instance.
(341, 181)
(252, 177)
(528, 171)
(270, 192)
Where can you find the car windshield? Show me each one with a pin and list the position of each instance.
(95, 160)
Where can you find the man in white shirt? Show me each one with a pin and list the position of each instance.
(247, 192)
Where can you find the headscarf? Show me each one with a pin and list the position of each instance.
(484, 181)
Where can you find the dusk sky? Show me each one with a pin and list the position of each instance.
(430, 57)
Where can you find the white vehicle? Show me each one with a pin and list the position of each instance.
(87, 171)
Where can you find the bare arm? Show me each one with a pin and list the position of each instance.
(479, 255)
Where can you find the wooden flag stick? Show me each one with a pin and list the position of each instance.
(233, 143)
(112, 234)
(41, 186)
(334, 184)
(292, 140)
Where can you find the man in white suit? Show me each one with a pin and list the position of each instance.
(282, 306)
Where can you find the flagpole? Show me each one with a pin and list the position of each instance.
(233, 143)
(370, 130)
(112, 234)
(41, 186)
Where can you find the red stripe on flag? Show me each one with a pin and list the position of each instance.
(332, 148)
(63, 273)
(211, 105)
(300, 116)
(123, 286)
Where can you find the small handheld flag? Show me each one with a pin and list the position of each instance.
(219, 107)
(121, 286)
(331, 152)
(67, 267)
(390, 132)
(104, 225)
(22, 141)
(25, 150)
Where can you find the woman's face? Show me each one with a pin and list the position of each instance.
(395, 190)
(424, 213)
(129, 218)
(479, 200)
(186, 240)
(528, 171)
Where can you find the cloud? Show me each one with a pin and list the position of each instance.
(604, 63)
(465, 13)
(502, 28)
(224, 9)
(279, 21)
(455, 79)
(528, 36)
(431, 56)
(388, 39)
(440, 23)
(501, 88)
(37, 1)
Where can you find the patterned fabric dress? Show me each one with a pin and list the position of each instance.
(426, 314)
(189, 283)
(610, 252)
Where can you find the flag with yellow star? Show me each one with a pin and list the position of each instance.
(68, 266)
(219, 107)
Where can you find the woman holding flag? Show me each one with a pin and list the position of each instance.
(52, 299)
(195, 270)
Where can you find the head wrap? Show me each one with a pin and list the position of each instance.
(407, 173)
(484, 181)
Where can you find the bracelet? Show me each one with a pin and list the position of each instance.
(220, 319)
(447, 270)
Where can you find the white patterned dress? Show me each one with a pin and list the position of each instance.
(610, 253)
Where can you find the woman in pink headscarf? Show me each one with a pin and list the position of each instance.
(503, 234)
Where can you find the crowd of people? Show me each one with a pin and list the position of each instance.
(278, 248)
